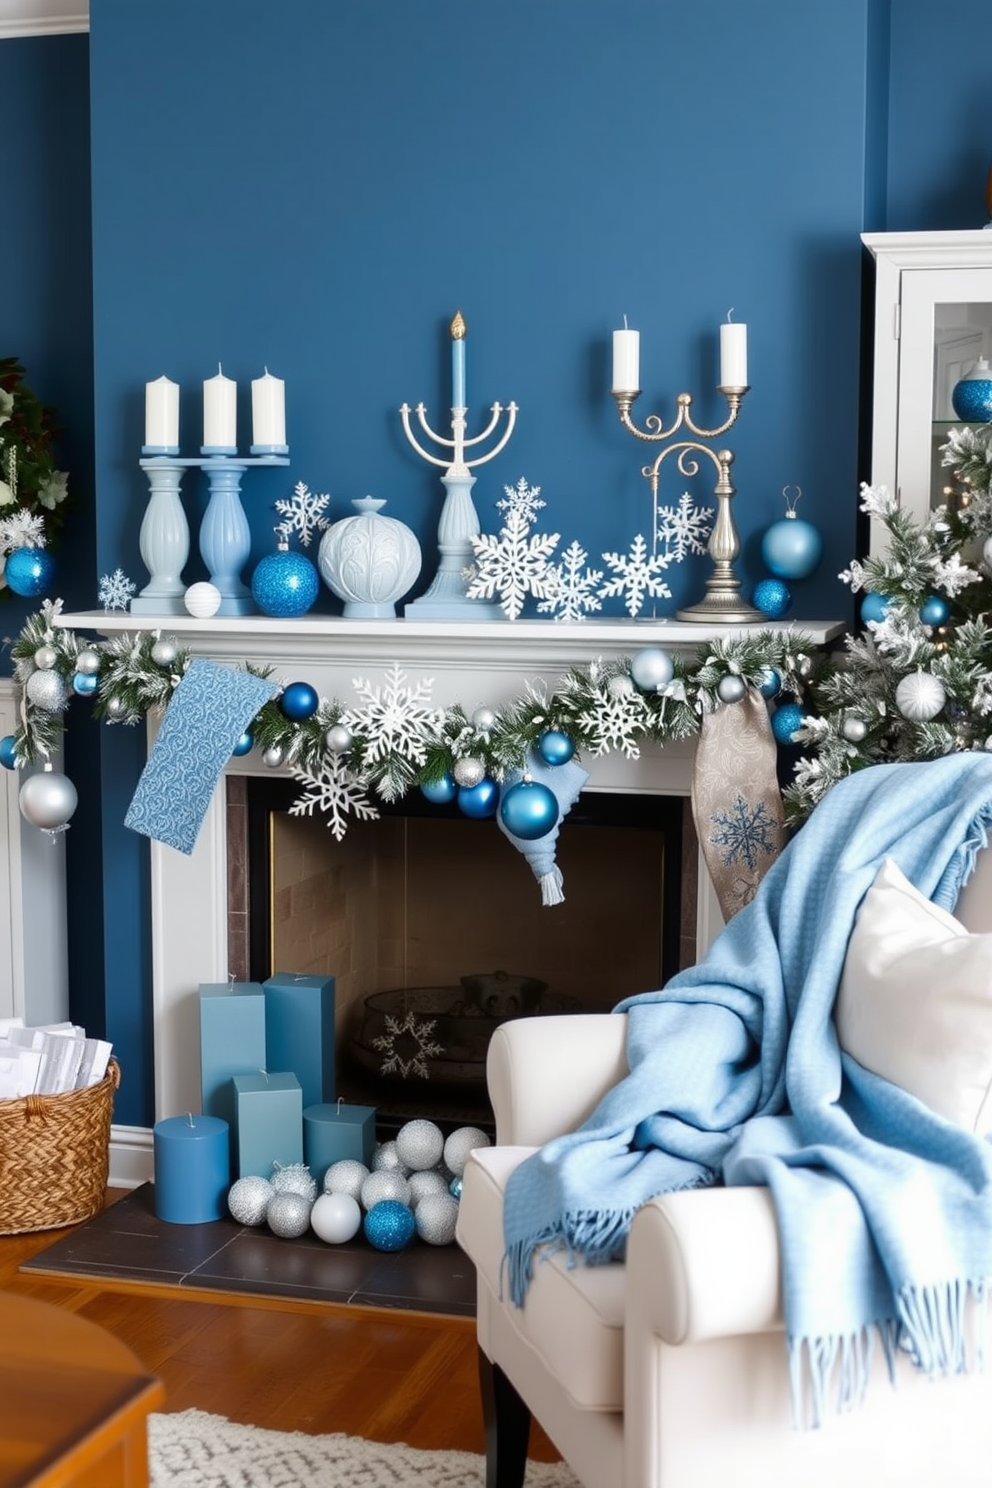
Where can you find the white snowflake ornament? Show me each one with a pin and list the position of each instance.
(522, 498)
(637, 575)
(395, 720)
(685, 528)
(407, 1044)
(336, 791)
(513, 565)
(116, 590)
(571, 587)
(303, 513)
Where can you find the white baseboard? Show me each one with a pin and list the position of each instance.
(131, 1156)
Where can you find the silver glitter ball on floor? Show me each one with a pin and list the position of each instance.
(435, 1217)
(386, 1159)
(346, 1176)
(460, 1144)
(249, 1198)
(288, 1215)
(424, 1183)
(384, 1185)
(295, 1178)
(420, 1145)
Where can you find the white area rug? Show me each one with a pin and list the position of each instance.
(191, 1449)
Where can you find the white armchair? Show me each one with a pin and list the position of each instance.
(671, 1370)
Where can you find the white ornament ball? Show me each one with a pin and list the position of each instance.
(295, 1178)
(336, 1218)
(88, 662)
(419, 1145)
(484, 719)
(164, 651)
(731, 688)
(249, 1198)
(339, 739)
(435, 1217)
(45, 657)
(853, 729)
(384, 1185)
(425, 1182)
(346, 1176)
(386, 1159)
(288, 1215)
(202, 600)
(460, 1144)
(652, 669)
(46, 690)
(468, 771)
(920, 696)
(47, 800)
(620, 687)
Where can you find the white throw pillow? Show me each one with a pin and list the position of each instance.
(915, 1000)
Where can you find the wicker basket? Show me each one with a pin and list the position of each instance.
(55, 1156)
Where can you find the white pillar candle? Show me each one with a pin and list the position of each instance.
(733, 354)
(626, 360)
(162, 414)
(220, 412)
(268, 410)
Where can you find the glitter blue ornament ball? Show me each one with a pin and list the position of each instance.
(84, 684)
(934, 610)
(299, 701)
(555, 748)
(285, 584)
(479, 801)
(389, 1225)
(786, 720)
(439, 792)
(874, 607)
(771, 683)
(29, 572)
(245, 745)
(8, 753)
(791, 548)
(529, 810)
(772, 598)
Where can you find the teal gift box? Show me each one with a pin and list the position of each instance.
(268, 1123)
(332, 1132)
(232, 1041)
(299, 1031)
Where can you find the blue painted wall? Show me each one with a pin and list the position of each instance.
(317, 186)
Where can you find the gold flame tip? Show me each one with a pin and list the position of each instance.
(458, 326)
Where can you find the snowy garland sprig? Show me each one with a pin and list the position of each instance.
(32, 489)
(390, 739)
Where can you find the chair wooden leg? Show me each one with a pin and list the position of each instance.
(507, 1423)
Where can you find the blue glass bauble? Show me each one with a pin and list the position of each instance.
(785, 721)
(529, 810)
(771, 683)
(772, 598)
(934, 610)
(299, 700)
(440, 792)
(479, 801)
(29, 571)
(8, 755)
(245, 744)
(555, 748)
(389, 1225)
(651, 668)
(285, 584)
(971, 398)
(874, 607)
(791, 548)
(84, 684)
(455, 1186)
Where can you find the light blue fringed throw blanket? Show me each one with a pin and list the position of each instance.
(884, 1209)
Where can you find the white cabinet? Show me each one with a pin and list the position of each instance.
(933, 319)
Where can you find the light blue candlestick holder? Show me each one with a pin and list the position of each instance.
(163, 539)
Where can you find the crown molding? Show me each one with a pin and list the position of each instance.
(43, 17)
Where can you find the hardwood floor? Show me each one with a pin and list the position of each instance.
(286, 1365)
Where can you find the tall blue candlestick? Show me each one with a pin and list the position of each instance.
(458, 329)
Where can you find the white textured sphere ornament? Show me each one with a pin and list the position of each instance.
(346, 1176)
(422, 1183)
(435, 1217)
(295, 1178)
(47, 800)
(731, 688)
(386, 1159)
(384, 1185)
(164, 651)
(45, 657)
(853, 729)
(288, 1215)
(369, 561)
(652, 669)
(336, 1218)
(420, 1145)
(249, 1198)
(920, 696)
(620, 687)
(460, 1144)
(46, 690)
(339, 739)
(468, 771)
(88, 662)
(202, 600)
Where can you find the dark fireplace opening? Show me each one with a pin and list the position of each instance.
(433, 927)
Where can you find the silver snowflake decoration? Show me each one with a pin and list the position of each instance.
(414, 1039)
(685, 528)
(571, 586)
(637, 575)
(303, 513)
(395, 720)
(744, 833)
(23, 529)
(336, 791)
(614, 720)
(116, 590)
(522, 498)
(512, 565)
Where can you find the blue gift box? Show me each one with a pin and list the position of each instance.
(232, 1041)
(268, 1123)
(299, 1031)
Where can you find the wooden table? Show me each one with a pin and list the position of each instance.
(73, 1402)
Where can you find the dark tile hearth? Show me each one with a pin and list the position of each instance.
(127, 1242)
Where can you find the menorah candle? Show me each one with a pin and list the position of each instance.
(192, 1167)
(268, 410)
(733, 354)
(268, 1123)
(334, 1132)
(220, 412)
(626, 360)
(232, 1041)
(458, 329)
(299, 1031)
(162, 414)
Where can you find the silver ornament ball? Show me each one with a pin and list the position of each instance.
(420, 1145)
(248, 1199)
(459, 1145)
(920, 696)
(273, 756)
(468, 771)
(339, 739)
(47, 800)
(384, 1184)
(346, 1176)
(435, 1218)
(731, 689)
(288, 1215)
(165, 651)
(484, 719)
(386, 1159)
(45, 657)
(295, 1178)
(620, 687)
(46, 690)
(853, 729)
(88, 662)
(423, 1182)
(652, 669)
(116, 708)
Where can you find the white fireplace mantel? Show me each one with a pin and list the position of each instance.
(474, 664)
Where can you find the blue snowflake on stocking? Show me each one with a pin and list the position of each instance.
(745, 833)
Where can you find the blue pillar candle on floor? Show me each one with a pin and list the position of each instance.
(299, 1031)
(192, 1168)
(268, 1122)
(334, 1132)
(232, 1041)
